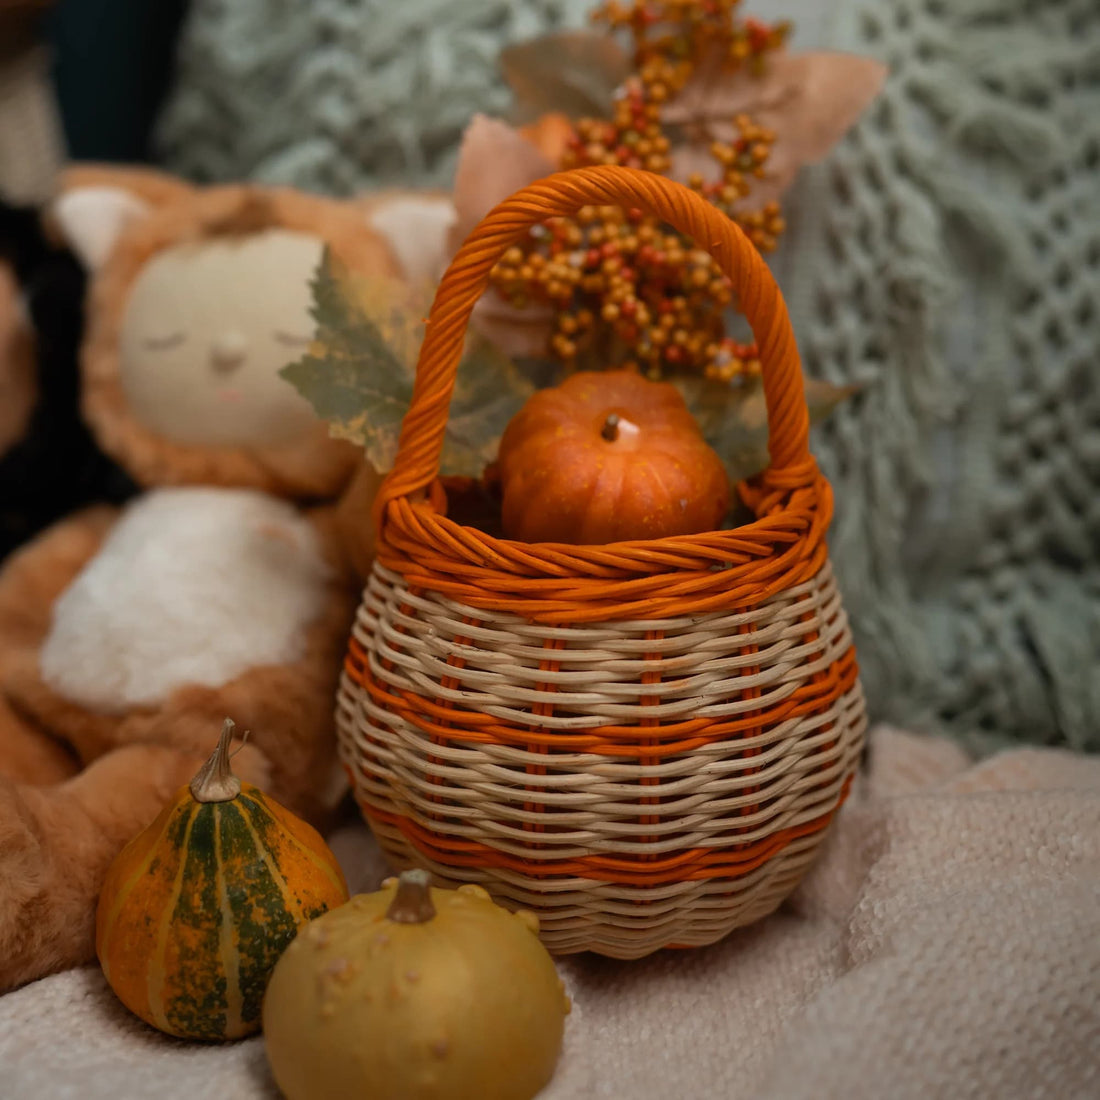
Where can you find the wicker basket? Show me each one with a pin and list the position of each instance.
(642, 742)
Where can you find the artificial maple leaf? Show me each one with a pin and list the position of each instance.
(573, 73)
(359, 370)
(810, 101)
(356, 373)
(550, 134)
(734, 417)
(494, 161)
(489, 391)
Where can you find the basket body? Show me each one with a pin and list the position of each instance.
(643, 743)
(518, 758)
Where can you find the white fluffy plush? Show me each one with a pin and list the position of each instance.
(193, 586)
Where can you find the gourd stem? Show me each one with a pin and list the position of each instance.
(412, 904)
(216, 781)
(610, 429)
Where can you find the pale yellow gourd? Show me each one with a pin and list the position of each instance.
(415, 992)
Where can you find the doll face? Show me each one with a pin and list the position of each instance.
(206, 329)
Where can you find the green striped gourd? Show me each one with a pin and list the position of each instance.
(197, 909)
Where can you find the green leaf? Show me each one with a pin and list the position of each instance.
(574, 72)
(734, 417)
(358, 372)
(489, 391)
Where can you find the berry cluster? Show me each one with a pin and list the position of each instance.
(671, 33)
(626, 290)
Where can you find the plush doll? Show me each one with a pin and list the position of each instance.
(225, 589)
(49, 463)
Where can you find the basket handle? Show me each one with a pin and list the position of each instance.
(421, 441)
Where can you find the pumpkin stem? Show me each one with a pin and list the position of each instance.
(610, 429)
(412, 904)
(216, 781)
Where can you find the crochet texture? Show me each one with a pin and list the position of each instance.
(946, 256)
(340, 95)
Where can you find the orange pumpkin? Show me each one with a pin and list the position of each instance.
(608, 456)
(197, 909)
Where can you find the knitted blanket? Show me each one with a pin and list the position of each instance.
(946, 257)
(367, 91)
(946, 944)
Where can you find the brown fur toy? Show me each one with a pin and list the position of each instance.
(17, 380)
(226, 589)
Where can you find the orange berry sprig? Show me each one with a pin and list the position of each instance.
(675, 33)
(626, 290)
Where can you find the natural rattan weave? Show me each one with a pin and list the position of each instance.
(641, 742)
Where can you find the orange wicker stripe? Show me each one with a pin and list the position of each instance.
(696, 863)
(472, 727)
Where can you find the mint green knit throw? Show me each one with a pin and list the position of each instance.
(946, 257)
(340, 95)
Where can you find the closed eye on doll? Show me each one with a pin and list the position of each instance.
(163, 343)
(291, 340)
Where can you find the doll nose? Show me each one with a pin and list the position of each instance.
(227, 352)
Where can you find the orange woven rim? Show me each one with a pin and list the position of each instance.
(645, 579)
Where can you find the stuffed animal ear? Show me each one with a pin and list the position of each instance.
(417, 226)
(92, 218)
(149, 184)
(95, 202)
